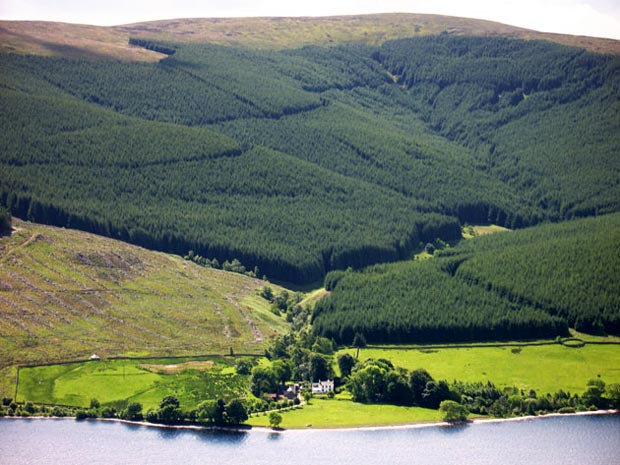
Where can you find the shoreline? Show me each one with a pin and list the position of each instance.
(265, 429)
(432, 424)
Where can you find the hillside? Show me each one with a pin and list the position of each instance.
(85, 41)
(304, 160)
(66, 294)
(526, 284)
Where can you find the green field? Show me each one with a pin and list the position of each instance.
(545, 369)
(121, 381)
(322, 413)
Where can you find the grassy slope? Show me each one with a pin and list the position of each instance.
(470, 232)
(371, 29)
(71, 40)
(66, 294)
(46, 38)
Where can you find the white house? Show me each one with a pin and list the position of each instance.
(323, 387)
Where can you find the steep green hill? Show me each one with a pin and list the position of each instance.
(306, 160)
(526, 284)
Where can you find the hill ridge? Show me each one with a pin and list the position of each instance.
(105, 42)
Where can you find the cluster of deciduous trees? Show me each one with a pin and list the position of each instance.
(234, 266)
(215, 412)
(378, 381)
(298, 356)
(302, 365)
(219, 412)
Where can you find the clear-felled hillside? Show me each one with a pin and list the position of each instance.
(66, 294)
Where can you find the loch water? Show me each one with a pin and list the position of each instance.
(561, 440)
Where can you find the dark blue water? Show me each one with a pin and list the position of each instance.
(580, 440)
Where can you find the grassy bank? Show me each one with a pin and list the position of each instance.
(323, 413)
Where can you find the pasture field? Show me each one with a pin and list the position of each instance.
(118, 382)
(545, 369)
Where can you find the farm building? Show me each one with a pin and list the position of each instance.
(323, 387)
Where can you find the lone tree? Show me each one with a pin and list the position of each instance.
(267, 293)
(346, 363)
(235, 412)
(169, 411)
(275, 419)
(169, 400)
(593, 394)
(453, 411)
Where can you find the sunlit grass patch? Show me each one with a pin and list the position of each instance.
(321, 413)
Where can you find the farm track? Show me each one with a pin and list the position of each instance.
(26, 243)
(256, 332)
